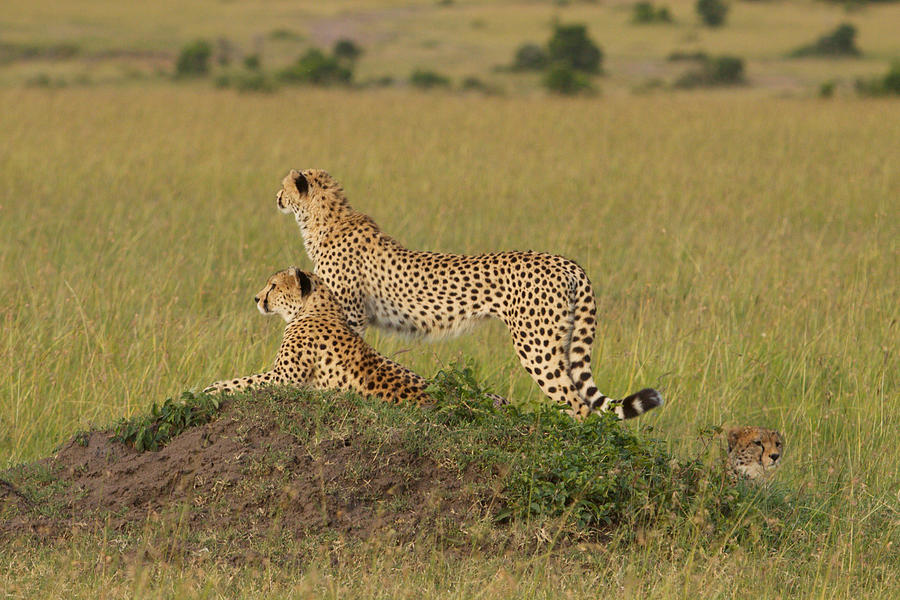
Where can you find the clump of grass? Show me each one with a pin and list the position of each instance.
(153, 431)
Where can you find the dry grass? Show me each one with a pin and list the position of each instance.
(744, 254)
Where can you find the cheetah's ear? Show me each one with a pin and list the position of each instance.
(300, 181)
(303, 280)
(733, 435)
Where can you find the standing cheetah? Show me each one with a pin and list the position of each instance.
(319, 349)
(546, 301)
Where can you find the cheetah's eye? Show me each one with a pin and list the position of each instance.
(758, 443)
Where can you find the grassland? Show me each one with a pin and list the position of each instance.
(121, 43)
(744, 255)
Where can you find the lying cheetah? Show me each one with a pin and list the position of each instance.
(546, 301)
(319, 350)
(753, 452)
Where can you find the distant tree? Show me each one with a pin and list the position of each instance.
(712, 12)
(193, 60)
(571, 46)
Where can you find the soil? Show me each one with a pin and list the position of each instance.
(241, 472)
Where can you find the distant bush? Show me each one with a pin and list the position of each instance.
(677, 56)
(720, 70)
(193, 60)
(474, 84)
(645, 13)
(425, 79)
(285, 35)
(252, 62)
(888, 84)
(317, 68)
(712, 12)
(826, 89)
(840, 42)
(530, 57)
(345, 49)
(246, 81)
(570, 46)
(563, 79)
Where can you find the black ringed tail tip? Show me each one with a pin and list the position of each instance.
(640, 402)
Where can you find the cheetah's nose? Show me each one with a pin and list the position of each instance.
(774, 457)
(256, 299)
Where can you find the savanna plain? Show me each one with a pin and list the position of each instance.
(743, 251)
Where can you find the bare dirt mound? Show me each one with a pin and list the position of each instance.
(264, 462)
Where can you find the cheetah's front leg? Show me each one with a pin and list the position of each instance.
(251, 381)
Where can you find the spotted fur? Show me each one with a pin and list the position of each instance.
(546, 301)
(754, 452)
(320, 350)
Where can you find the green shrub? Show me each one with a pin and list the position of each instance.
(193, 60)
(840, 42)
(315, 67)
(345, 49)
(562, 79)
(716, 71)
(530, 57)
(570, 46)
(425, 79)
(646, 13)
(712, 12)
(889, 84)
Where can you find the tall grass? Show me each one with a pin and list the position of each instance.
(743, 252)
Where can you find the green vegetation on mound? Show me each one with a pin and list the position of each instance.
(313, 461)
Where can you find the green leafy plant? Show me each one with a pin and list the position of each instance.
(153, 431)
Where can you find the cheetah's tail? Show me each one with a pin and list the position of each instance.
(632, 406)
